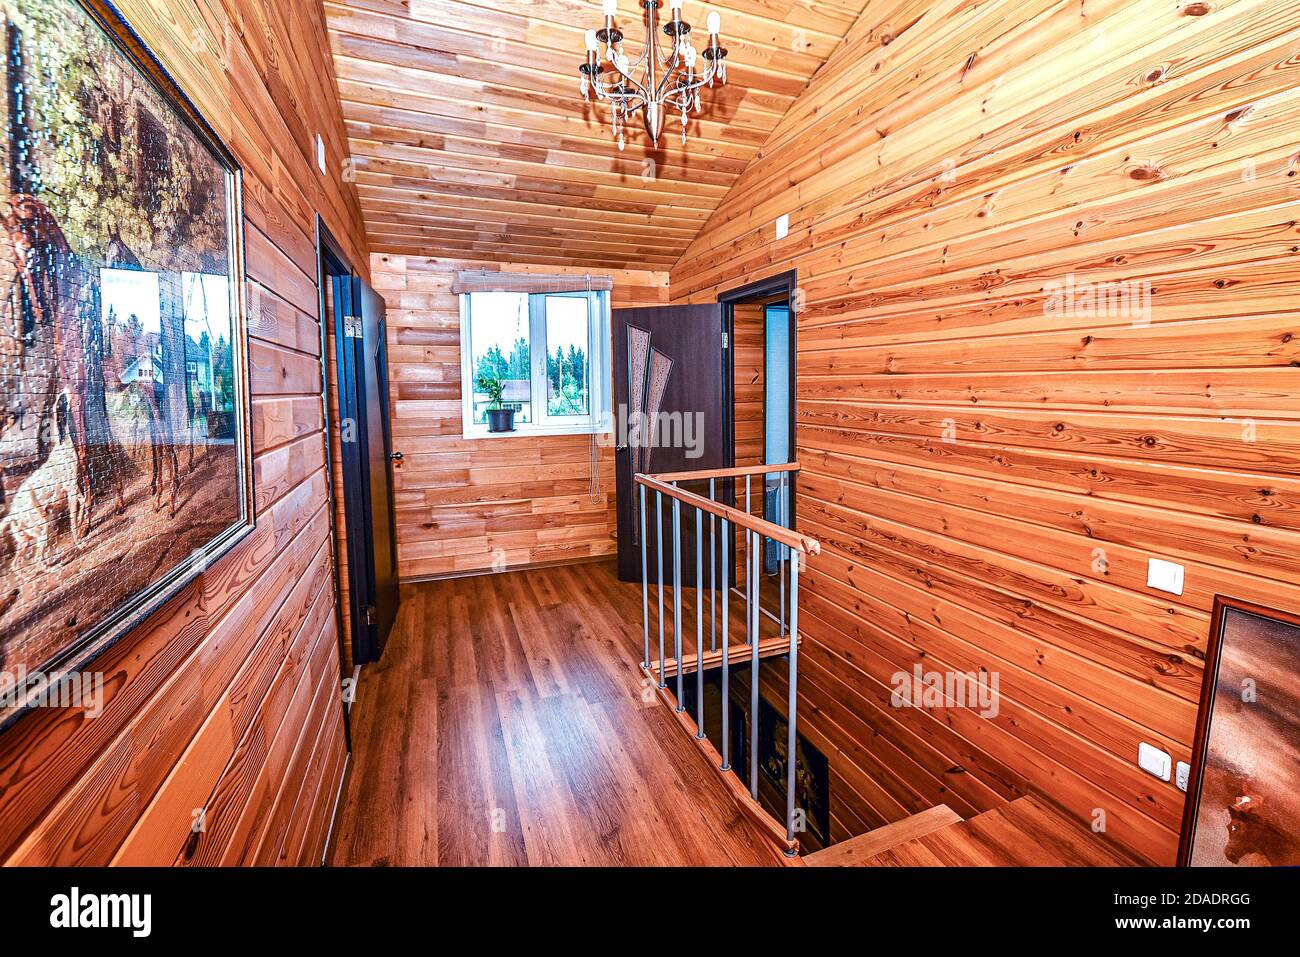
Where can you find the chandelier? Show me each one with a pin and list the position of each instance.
(659, 80)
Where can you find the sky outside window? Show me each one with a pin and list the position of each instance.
(567, 372)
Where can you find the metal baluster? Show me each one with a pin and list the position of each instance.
(793, 703)
(748, 568)
(676, 564)
(781, 550)
(677, 596)
(748, 564)
(699, 623)
(755, 546)
(726, 665)
(659, 545)
(713, 575)
(645, 589)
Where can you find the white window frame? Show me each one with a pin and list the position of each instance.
(599, 382)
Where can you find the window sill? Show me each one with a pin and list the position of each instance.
(540, 431)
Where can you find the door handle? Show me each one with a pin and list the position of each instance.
(620, 448)
(396, 456)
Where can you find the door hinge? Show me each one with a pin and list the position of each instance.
(726, 340)
(370, 614)
(352, 327)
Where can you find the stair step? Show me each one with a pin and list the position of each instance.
(856, 850)
(1026, 832)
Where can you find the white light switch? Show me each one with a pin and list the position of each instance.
(1166, 576)
(783, 226)
(1181, 772)
(320, 153)
(1154, 761)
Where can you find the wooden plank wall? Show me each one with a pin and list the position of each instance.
(226, 700)
(747, 358)
(990, 475)
(482, 504)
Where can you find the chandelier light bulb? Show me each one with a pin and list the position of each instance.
(674, 4)
(715, 23)
(611, 8)
(592, 43)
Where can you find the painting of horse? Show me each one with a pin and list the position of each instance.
(124, 438)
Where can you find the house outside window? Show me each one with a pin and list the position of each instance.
(551, 352)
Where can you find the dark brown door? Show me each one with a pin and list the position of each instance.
(366, 450)
(379, 465)
(671, 378)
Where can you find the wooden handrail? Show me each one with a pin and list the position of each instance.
(738, 472)
(778, 533)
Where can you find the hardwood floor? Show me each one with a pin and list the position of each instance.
(510, 724)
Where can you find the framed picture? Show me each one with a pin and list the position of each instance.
(124, 432)
(1243, 795)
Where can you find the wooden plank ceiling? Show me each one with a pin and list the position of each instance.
(469, 138)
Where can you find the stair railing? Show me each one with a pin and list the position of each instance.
(790, 551)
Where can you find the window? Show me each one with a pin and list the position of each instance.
(551, 352)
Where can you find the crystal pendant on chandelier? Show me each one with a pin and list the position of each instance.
(659, 79)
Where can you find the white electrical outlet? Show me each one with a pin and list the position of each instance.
(1154, 761)
(783, 226)
(320, 153)
(1164, 575)
(1182, 771)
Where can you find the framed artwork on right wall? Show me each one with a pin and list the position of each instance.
(1243, 795)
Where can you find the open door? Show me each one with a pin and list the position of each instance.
(670, 366)
(367, 467)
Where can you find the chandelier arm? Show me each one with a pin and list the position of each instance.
(633, 101)
(667, 60)
(636, 84)
(604, 92)
(701, 80)
(663, 91)
(674, 72)
(640, 60)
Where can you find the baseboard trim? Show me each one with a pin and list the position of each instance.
(531, 566)
(328, 850)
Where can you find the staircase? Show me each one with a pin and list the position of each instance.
(773, 553)
(1027, 832)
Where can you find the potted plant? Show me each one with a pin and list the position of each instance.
(498, 419)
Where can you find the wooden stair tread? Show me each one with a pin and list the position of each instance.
(855, 850)
(736, 653)
(1026, 832)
